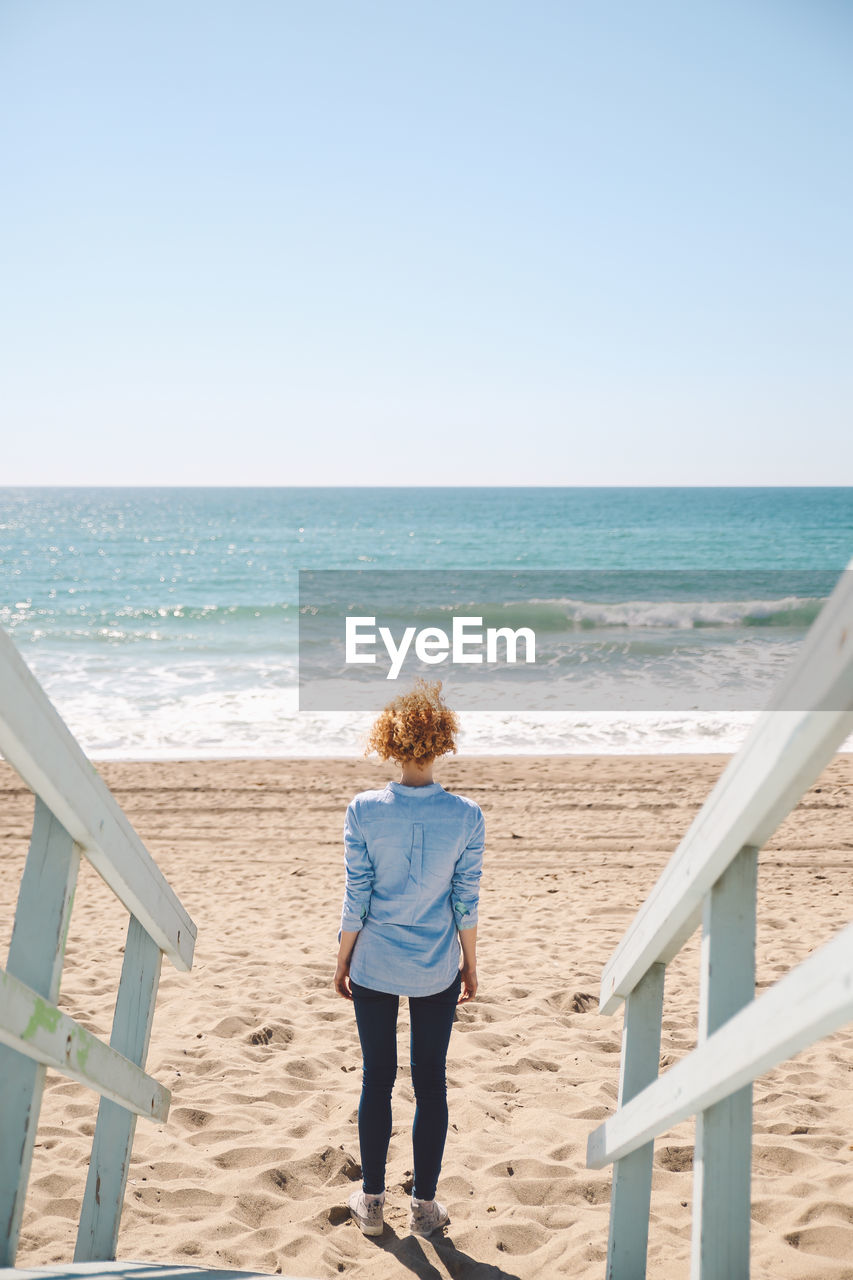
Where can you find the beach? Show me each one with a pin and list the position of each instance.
(260, 1151)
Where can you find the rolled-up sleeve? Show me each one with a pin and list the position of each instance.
(359, 874)
(465, 885)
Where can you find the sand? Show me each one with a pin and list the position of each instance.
(254, 1166)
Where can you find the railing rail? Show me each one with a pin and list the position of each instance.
(712, 877)
(811, 1001)
(38, 744)
(75, 815)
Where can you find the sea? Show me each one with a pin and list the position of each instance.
(164, 622)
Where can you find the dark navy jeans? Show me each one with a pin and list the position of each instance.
(431, 1019)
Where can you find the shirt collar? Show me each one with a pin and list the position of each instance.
(427, 789)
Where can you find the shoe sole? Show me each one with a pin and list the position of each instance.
(368, 1230)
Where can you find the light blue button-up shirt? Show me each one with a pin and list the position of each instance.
(413, 857)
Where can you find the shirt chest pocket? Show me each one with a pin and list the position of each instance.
(441, 851)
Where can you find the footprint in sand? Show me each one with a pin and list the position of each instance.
(278, 1033)
(676, 1159)
(826, 1241)
(191, 1117)
(524, 1065)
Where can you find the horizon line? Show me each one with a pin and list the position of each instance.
(305, 485)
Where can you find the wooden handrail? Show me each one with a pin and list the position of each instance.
(789, 745)
(38, 744)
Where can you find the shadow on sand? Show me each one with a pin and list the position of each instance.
(410, 1253)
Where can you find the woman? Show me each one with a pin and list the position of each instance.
(413, 855)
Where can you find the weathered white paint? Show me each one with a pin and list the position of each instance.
(631, 1191)
(812, 1000)
(782, 756)
(38, 744)
(35, 957)
(35, 1027)
(107, 1177)
(723, 1147)
(75, 813)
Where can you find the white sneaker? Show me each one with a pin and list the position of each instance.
(368, 1212)
(427, 1216)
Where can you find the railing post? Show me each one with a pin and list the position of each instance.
(36, 953)
(103, 1199)
(630, 1197)
(723, 1151)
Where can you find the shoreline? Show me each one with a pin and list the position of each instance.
(254, 1165)
(482, 757)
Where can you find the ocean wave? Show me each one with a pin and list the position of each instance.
(682, 615)
(133, 622)
(561, 615)
(24, 611)
(568, 613)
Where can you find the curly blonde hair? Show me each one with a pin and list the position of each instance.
(415, 726)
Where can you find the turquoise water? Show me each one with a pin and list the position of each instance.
(163, 622)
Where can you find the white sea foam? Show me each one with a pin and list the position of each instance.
(201, 707)
(685, 615)
(264, 723)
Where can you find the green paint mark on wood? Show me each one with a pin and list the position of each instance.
(44, 1017)
(82, 1055)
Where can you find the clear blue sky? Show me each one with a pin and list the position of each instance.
(455, 242)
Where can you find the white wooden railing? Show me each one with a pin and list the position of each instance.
(75, 814)
(711, 878)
